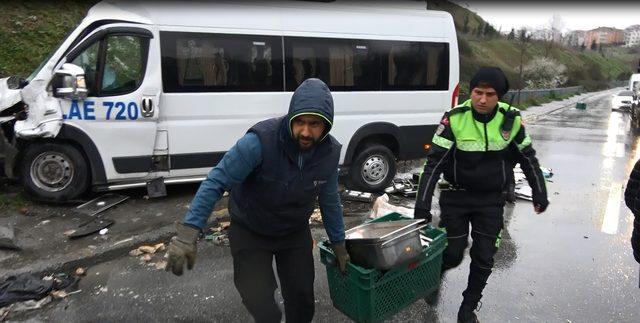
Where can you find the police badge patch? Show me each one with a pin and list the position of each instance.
(440, 129)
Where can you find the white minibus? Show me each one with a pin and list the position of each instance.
(159, 91)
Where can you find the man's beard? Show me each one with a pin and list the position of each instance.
(312, 140)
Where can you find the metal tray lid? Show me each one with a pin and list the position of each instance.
(380, 230)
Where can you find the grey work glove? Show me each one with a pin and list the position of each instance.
(182, 248)
(342, 256)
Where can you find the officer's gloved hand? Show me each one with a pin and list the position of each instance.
(342, 255)
(540, 205)
(422, 214)
(182, 249)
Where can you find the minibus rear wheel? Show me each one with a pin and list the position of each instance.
(54, 172)
(373, 168)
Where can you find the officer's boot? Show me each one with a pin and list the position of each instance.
(466, 314)
(472, 295)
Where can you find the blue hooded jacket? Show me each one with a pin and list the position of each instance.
(274, 184)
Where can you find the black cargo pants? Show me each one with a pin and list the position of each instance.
(254, 278)
(484, 211)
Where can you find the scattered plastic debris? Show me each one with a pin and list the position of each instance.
(103, 231)
(7, 238)
(80, 271)
(382, 207)
(350, 195)
(316, 217)
(102, 203)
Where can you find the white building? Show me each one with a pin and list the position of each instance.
(632, 36)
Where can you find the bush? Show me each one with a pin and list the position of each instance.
(544, 73)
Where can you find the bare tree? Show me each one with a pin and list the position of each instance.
(524, 36)
(552, 33)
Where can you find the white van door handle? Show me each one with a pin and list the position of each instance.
(147, 107)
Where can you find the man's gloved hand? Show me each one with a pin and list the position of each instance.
(182, 248)
(342, 256)
(422, 214)
(540, 205)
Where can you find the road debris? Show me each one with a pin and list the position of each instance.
(7, 238)
(80, 271)
(146, 257)
(135, 253)
(218, 235)
(103, 231)
(89, 227)
(101, 204)
(316, 217)
(350, 195)
(382, 207)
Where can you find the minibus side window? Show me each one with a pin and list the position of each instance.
(344, 64)
(367, 65)
(88, 60)
(415, 66)
(203, 62)
(124, 64)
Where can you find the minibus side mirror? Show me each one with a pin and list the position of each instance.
(68, 83)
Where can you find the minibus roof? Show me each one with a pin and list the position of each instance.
(376, 18)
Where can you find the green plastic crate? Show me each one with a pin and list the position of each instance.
(371, 295)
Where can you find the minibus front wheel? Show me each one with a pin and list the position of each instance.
(373, 168)
(54, 172)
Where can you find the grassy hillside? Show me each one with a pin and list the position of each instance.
(30, 30)
(592, 69)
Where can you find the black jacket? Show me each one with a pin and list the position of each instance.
(632, 199)
(278, 197)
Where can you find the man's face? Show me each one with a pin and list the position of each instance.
(307, 130)
(484, 99)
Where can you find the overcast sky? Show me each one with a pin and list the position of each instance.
(575, 16)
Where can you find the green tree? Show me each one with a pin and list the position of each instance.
(583, 47)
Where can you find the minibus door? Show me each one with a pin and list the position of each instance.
(121, 65)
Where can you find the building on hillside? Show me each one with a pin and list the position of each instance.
(632, 36)
(604, 36)
(575, 38)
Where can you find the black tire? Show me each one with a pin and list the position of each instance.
(54, 172)
(373, 169)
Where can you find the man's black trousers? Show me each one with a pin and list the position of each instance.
(484, 211)
(255, 280)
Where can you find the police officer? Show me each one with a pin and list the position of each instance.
(276, 172)
(632, 199)
(473, 146)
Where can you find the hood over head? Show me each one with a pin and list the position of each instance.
(312, 97)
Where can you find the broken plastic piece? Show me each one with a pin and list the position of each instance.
(102, 203)
(357, 196)
(91, 227)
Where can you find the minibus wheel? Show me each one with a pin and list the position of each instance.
(373, 168)
(54, 172)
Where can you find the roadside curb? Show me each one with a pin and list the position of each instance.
(69, 262)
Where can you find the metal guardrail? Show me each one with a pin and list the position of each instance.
(538, 93)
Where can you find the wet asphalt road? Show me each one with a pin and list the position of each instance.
(571, 264)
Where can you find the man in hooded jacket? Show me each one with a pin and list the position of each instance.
(475, 146)
(275, 174)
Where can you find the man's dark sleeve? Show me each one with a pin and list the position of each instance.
(632, 199)
(524, 154)
(437, 157)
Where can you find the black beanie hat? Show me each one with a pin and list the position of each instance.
(492, 76)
